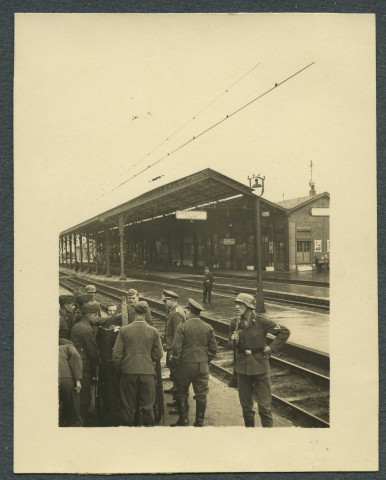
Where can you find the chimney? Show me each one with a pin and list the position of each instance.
(312, 191)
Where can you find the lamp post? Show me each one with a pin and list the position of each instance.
(259, 186)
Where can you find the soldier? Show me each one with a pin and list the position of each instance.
(208, 285)
(133, 299)
(66, 315)
(249, 332)
(70, 376)
(194, 346)
(83, 338)
(174, 316)
(91, 290)
(138, 345)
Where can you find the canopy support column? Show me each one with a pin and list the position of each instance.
(81, 251)
(121, 226)
(107, 236)
(88, 252)
(70, 242)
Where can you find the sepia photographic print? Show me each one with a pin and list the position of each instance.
(173, 173)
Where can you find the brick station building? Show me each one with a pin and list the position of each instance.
(146, 232)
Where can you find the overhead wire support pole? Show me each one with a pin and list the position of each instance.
(211, 127)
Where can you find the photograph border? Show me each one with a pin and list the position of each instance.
(6, 159)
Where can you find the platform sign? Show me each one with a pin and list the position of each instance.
(317, 245)
(229, 241)
(320, 212)
(265, 214)
(191, 215)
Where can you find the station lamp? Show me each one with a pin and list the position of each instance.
(259, 187)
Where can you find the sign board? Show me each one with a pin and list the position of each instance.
(270, 247)
(191, 215)
(318, 245)
(265, 214)
(229, 241)
(320, 212)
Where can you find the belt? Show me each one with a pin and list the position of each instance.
(252, 350)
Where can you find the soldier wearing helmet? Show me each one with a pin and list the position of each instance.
(249, 332)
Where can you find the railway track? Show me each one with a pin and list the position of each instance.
(300, 381)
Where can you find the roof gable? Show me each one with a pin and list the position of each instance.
(295, 203)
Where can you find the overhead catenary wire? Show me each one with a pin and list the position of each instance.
(192, 118)
(209, 128)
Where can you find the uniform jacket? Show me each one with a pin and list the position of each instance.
(138, 345)
(194, 341)
(173, 318)
(132, 313)
(82, 336)
(208, 280)
(65, 323)
(254, 338)
(70, 362)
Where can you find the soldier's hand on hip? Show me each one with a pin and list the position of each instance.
(267, 351)
(235, 336)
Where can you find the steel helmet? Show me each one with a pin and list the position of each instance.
(246, 299)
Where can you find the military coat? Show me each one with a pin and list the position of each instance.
(173, 318)
(138, 345)
(194, 341)
(252, 338)
(82, 336)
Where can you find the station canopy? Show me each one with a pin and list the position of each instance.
(188, 192)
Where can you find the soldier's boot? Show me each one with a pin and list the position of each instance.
(249, 421)
(183, 409)
(200, 414)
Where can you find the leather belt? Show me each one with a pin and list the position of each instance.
(252, 350)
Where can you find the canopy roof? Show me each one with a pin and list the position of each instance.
(188, 192)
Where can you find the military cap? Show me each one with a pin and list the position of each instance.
(132, 291)
(169, 294)
(89, 308)
(83, 298)
(90, 289)
(246, 299)
(141, 307)
(66, 299)
(194, 304)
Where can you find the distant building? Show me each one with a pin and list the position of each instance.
(308, 229)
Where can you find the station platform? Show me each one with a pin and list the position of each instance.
(308, 328)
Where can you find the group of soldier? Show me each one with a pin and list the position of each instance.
(189, 343)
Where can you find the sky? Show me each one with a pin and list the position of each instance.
(97, 94)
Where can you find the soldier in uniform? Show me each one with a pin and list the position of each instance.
(66, 315)
(207, 285)
(249, 332)
(70, 376)
(194, 346)
(138, 345)
(174, 316)
(82, 336)
(91, 290)
(133, 299)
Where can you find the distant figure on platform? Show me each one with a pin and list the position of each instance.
(70, 376)
(174, 316)
(76, 266)
(249, 331)
(82, 336)
(208, 285)
(138, 345)
(194, 346)
(132, 300)
(66, 315)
